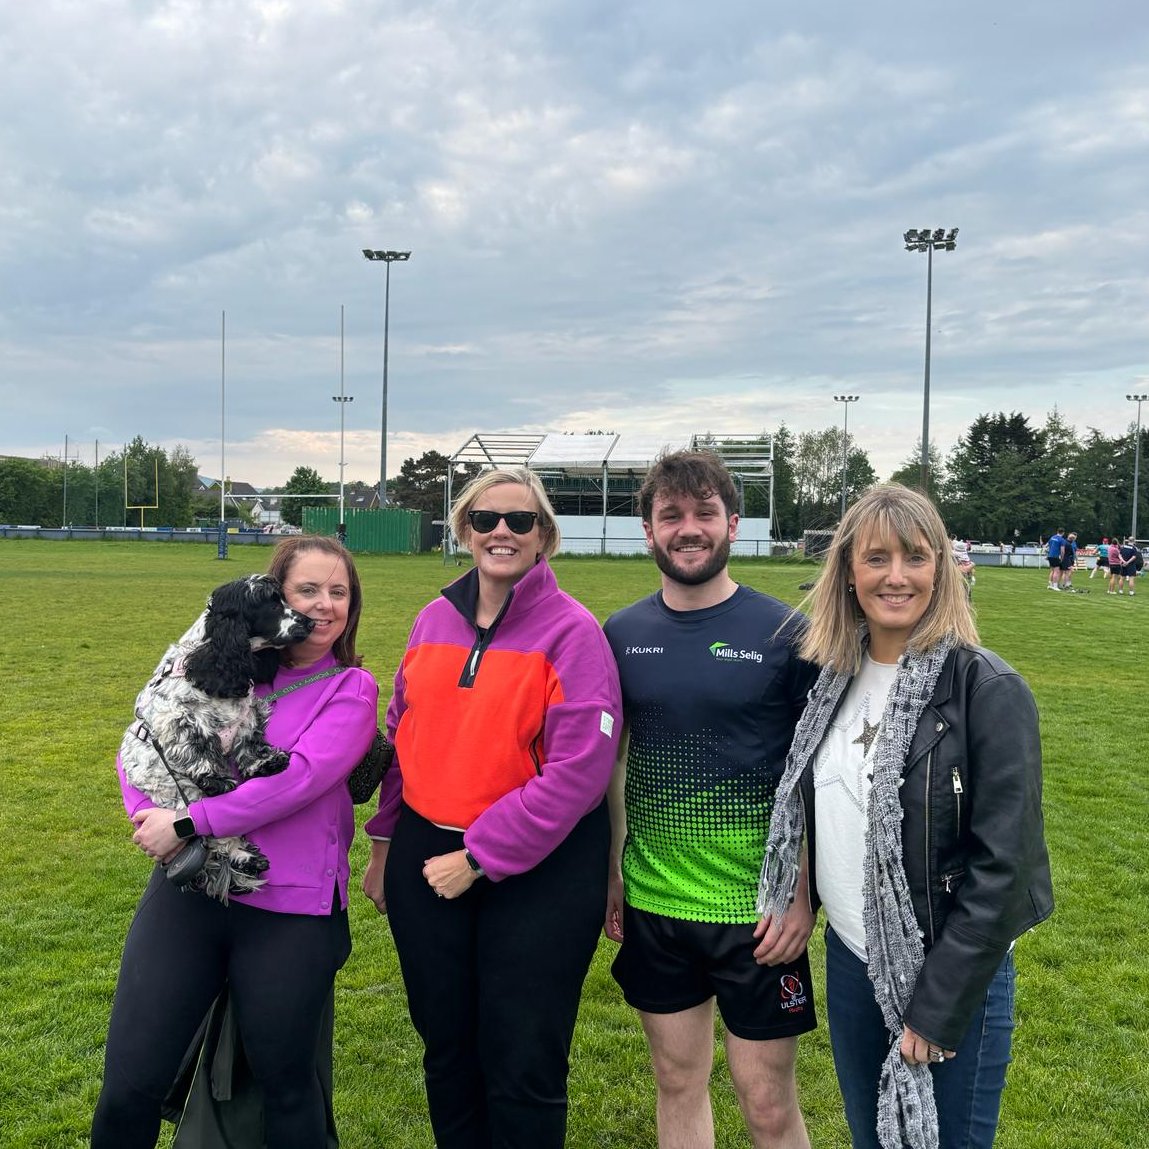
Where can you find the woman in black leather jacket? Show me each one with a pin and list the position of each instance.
(914, 782)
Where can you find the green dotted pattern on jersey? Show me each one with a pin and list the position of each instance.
(695, 829)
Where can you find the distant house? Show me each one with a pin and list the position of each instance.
(267, 510)
(361, 499)
(237, 489)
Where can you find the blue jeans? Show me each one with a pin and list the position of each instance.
(967, 1088)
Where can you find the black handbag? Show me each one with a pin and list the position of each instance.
(364, 780)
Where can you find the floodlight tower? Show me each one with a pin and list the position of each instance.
(1138, 399)
(342, 400)
(845, 400)
(922, 239)
(388, 258)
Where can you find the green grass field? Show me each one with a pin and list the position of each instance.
(84, 625)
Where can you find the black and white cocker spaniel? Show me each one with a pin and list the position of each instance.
(199, 728)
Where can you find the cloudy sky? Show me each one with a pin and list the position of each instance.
(647, 216)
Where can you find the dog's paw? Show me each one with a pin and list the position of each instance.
(212, 785)
(275, 763)
(252, 864)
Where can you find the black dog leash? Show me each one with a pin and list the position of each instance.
(144, 733)
(187, 864)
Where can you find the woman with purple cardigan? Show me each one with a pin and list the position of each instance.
(281, 944)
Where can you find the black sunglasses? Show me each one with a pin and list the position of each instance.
(518, 522)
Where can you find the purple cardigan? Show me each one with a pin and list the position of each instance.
(302, 818)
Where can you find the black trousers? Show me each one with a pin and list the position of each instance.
(494, 979)
(180, 950)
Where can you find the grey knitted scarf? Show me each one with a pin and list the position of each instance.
(907, 1115)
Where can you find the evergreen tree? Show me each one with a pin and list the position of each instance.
(1124, 464)
(909, 474)
(303, 481)
(1095, 504)
(997, 480)
(421, 482)
(785, 524)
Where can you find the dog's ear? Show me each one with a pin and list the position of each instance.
(266, 663)
(223, 666)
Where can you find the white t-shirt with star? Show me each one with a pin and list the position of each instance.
(843, 776)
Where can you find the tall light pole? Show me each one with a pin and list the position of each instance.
(387, 257)
(221, 530)
(845, 400)
(342, 400)
(64, 517)
(222, 411)
(1138, 399)
(922, 239)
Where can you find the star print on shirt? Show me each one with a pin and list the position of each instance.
(866, 739)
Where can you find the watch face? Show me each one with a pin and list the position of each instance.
(184, 828)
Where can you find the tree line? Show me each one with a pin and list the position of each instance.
(1006, 481)
(139, 485)
(1003, 481)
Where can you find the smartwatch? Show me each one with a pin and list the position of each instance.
(473, 862)
(184, 828)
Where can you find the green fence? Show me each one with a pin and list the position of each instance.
(390, 530)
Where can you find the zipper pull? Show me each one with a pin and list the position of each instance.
(957, 782)
(947, 879)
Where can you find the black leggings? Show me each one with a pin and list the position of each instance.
(180, 950)
(493, 982)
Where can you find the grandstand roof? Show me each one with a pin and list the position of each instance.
(616, 454)
(591, 454)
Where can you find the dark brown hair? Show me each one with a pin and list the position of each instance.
(289, 549)
(695, 474)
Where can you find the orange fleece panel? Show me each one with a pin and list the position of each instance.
(463, 748)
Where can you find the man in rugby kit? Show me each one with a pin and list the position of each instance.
(712, 688)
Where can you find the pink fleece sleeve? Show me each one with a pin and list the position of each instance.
(381, 824)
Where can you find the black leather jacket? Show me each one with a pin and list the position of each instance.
(973, 841)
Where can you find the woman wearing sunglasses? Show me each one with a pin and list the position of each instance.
(490, 847)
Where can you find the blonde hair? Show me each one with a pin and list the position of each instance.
(885, 510)
(549, 535)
